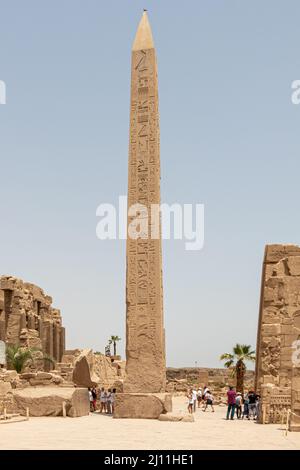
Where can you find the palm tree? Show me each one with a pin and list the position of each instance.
(236, 360)
(18, 357)
(113, 340)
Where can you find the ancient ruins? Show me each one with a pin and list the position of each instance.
(28, 318)
(145, 339)
(278, 366)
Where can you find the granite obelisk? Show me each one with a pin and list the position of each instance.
(145, 344)
(144, 384)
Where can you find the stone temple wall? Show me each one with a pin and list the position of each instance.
(278, 331)
(28, 318)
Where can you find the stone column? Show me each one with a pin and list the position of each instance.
(62, 346)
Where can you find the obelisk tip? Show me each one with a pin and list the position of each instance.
(143, 38)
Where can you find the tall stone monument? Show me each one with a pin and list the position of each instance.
(278, 339)
(145, 379)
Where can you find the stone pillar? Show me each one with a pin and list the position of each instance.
(145, 342)
(47, 341)
(62, 339)
(8, 296)
(279, 326)
(56, 342)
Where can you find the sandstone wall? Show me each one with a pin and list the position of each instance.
(28, 318)
(278, 329)
(217, 379)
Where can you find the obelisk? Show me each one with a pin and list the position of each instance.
(145, 339)
(145, 348)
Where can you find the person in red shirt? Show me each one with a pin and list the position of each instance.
(231, 397)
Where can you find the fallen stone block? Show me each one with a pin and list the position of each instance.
(48, 401)
(83, 373)
(176, 418)
(142, 405)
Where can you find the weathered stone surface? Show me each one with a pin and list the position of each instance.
(27, 317)
(278, 329)
(47, 401)
(145, 342)
(5, 387)
(175, 418)
(83, 373)
(142, 405)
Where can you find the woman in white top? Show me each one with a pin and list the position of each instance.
(103, 400)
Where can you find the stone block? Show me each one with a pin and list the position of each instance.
(5, 387)
(142, 405)
(44, 375)
(47, 401)
(293, 263)
(188, 418)
(83, 373)
(27, 375)
(271, 329)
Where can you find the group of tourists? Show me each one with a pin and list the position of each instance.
(246, 406)
(241, 406)
(105, 399)
(201, 397)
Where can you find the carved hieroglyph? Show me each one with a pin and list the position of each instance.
(279, 325)
(145, 345)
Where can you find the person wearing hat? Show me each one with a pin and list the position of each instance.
(238, 405)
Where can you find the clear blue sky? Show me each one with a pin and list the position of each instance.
(229, 139)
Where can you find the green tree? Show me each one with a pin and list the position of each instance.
(236, 360)
(113, 340)
(18, 357)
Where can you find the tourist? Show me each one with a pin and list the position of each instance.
(203, 396)
(252, 404)
(238, 405)
(108, 401)
(246, 407)
(91, 401)
(190, 402)
(194, 393)
(94, 394)
(231, 396)
(112, 399)
(199, 396)
(257, 406)
(209, 401)
(102, 400)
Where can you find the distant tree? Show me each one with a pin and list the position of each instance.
(113, 340)
(236, 360)
(18, 357)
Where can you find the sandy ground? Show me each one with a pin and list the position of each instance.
(209, 431)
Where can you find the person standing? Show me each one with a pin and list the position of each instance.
(209, 401)
(231, 396)
(238, 405)
(203, 396)
(91, 401)
(257, 406)
(112, 400)
(102, 400)
(190, 401)
(108, 401)
(252, 404)
(94, 394)
(246, 407)
(199, 396)
(194, 393)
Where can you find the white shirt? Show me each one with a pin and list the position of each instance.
(194, 393)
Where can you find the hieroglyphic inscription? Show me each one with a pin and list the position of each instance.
(145, 369)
